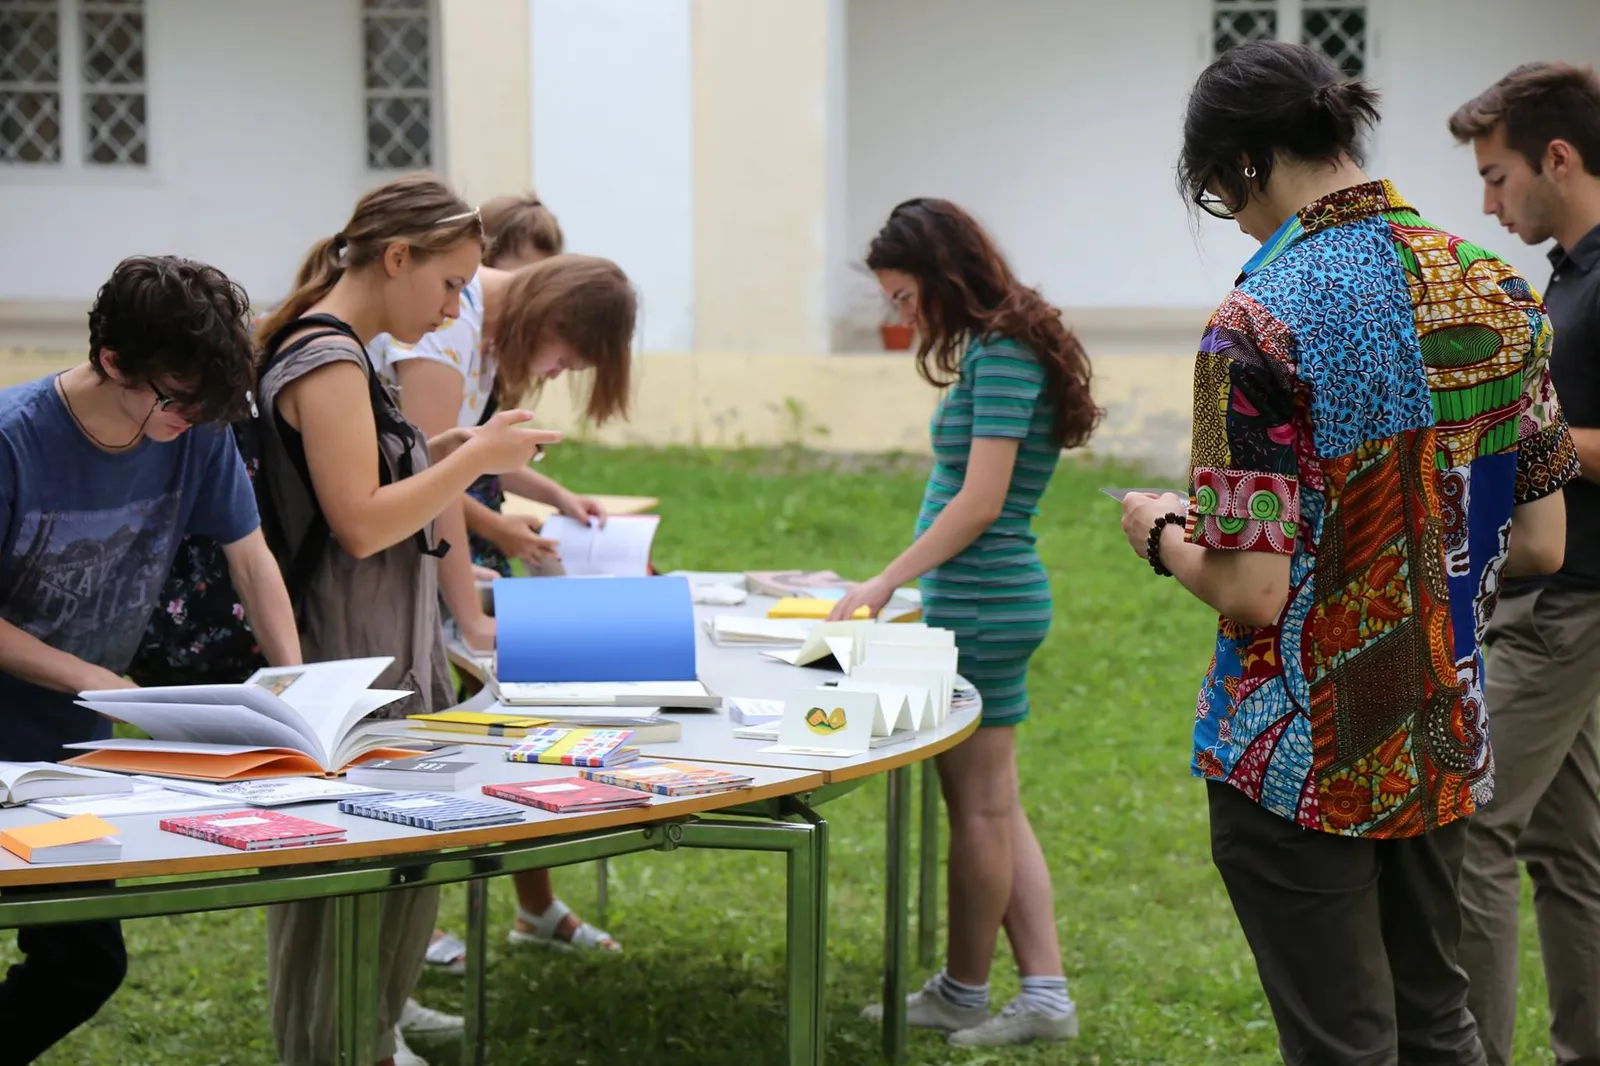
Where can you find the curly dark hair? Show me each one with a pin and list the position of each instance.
(967, 292)
(183, 323)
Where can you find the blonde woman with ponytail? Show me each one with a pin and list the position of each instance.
(525, 320)
(398, 267)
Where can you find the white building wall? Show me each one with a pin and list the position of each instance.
(256, 149)
(1058, 123)
(613, 145)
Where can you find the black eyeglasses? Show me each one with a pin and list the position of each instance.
(1212, 205)
(169, 403)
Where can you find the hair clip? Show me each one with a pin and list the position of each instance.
(463, 215)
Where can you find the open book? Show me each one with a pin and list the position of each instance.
(24, 781)
(283, 721)
(620, 548)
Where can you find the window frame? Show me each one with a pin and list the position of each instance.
(434, 94)
(1290, 23)
(73, 167)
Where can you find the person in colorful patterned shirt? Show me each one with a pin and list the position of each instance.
(1376, 443)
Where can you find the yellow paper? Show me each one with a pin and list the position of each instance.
(808, 607)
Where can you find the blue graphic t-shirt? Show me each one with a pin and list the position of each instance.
(86, 540)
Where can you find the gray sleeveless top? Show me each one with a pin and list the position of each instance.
(385, 604)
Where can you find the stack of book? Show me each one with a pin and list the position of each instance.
(85, 838)
(671, 778)
(569, 795)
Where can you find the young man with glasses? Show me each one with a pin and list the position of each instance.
(103, 468)
(1536, 136)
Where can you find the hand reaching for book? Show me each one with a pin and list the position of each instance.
(518, 538)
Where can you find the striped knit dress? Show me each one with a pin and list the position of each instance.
(994, 594)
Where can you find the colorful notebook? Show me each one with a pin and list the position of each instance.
(434, 811)
(255, 830)
(670, 778)
(569, 795)
(574, 747)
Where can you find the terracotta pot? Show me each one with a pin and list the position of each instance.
(897, 338)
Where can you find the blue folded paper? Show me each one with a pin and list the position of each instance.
(594, 629)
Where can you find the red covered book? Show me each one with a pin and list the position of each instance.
(255, 830)
(569, 795)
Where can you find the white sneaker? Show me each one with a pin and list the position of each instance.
(404, 1056)
(426, 1023)
(928, 1009)
(1018, 1024)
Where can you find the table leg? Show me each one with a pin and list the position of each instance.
(474, 1030)
(355, 930)
(602, 891)
(928, 864)
(803, 951)
(896, 920)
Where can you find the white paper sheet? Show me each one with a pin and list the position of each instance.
(620, 548)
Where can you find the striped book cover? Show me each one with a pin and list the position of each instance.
(574, 747)
(435, 811)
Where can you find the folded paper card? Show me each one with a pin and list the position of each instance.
(827, 721)
(562, 629)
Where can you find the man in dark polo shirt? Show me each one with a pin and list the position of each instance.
(1536, 135)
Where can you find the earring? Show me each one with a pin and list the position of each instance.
(1250, 172)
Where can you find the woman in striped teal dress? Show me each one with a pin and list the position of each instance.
(1018, 393)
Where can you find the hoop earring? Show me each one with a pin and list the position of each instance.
(1250, 172)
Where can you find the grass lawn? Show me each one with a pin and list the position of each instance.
(1154, 958)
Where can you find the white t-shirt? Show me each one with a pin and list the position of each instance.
(457, 344)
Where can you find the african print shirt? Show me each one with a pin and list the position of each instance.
(1372, 400)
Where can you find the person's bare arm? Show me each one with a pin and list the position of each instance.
(972, 510)
(259, 583)
(1587, 443)
(26, 656)
(1537, 543)
(431, 395)
(331, 409)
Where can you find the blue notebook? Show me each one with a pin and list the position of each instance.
(437, 811)
(572, 629)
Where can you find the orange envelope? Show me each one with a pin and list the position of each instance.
(24, 841)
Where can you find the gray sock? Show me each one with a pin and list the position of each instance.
(972, 997)
(1047, 995)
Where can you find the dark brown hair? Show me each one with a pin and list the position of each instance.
(1263, 100)
(585, 301)
(417, 210)
(967, 292)
(518, 224)
(165, 317)
(1538, 103)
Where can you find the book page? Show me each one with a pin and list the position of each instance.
(218, 724)
(620, 548)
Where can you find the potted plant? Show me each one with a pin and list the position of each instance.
(897, 336)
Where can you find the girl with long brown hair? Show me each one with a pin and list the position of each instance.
(522, 323)
(1018, 393)
(398, 266)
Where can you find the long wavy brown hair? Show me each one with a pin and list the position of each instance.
(587, 302)
(967, 291)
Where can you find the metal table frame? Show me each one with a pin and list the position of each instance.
(788, 826)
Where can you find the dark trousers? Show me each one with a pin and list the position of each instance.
(67, 972)
(1354, 939)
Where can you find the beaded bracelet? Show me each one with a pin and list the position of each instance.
(1152, 550)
